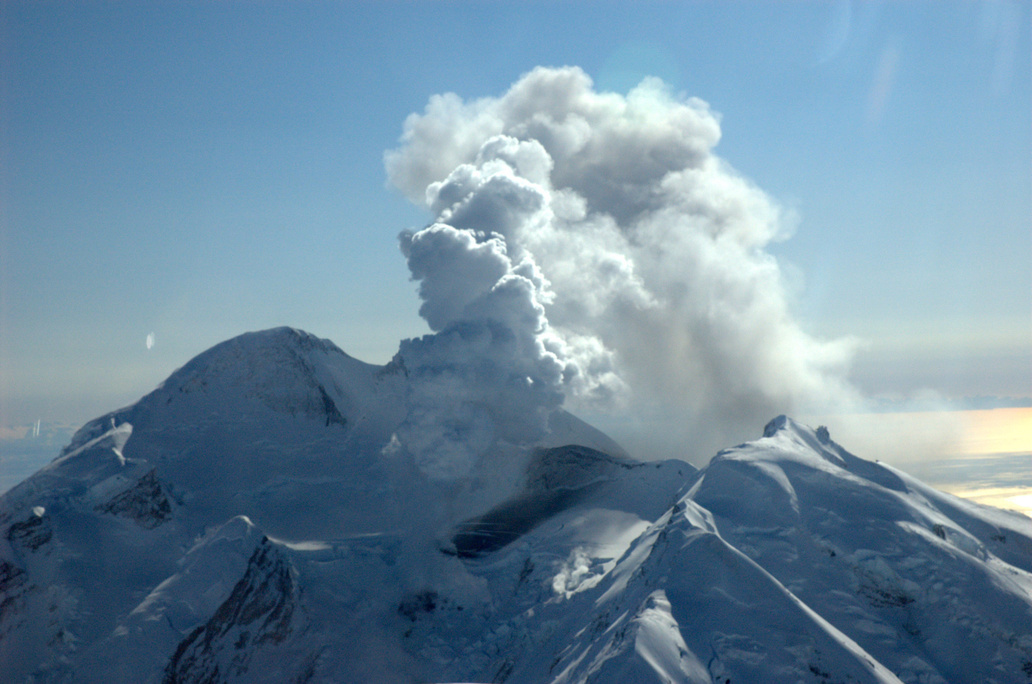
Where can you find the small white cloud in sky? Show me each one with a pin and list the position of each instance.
(883, 83)
(150, 340)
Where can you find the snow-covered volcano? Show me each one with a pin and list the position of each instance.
(253, 520)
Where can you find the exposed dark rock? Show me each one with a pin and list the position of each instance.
(823, 436)
(333, 416)
(423, 602)
(30, 533)
(145, 503)
(259, 611)
(881, 594)
(13, 586)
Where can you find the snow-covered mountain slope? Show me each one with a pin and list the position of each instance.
(914, 575)
(251, 520)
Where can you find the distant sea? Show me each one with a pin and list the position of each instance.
(23, 451)
(1003, 480)
(984, 454)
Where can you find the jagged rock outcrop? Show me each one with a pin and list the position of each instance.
(261, 611)
(32, 532)
(145, 502)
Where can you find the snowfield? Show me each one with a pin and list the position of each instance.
(254, 519)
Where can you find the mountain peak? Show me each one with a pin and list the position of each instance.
(781, 422)
(257, 358)
(282, 370)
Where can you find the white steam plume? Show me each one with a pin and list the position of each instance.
(591, 245)
(485, 373)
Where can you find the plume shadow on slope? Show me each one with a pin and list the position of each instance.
(557, 479)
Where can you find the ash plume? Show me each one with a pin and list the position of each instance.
(591, 247)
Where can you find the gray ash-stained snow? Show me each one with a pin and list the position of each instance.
(228, 527)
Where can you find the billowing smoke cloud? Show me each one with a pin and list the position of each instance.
(591, 246)
(485, 374)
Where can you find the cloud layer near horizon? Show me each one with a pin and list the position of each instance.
(591, 247)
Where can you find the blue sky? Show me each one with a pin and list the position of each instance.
(196, 170)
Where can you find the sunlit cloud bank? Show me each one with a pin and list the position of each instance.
(996, 431)
(982, 455)
(590, 249)
(1010, 498)
(1001, 479)
(914, 438)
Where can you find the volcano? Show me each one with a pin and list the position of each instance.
(253, 519)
